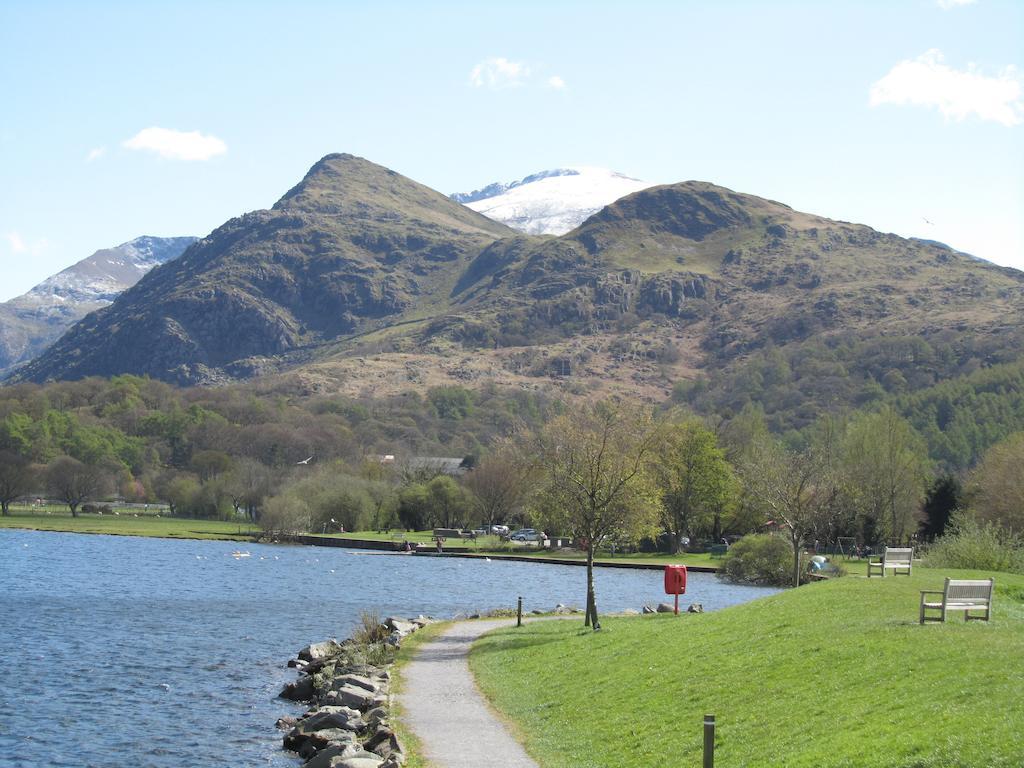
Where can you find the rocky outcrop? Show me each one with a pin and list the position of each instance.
(347, 685)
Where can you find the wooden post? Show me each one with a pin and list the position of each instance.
(519, 612)
(709, 741)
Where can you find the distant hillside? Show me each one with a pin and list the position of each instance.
(32, 321)
(551, 202)
(362, 282)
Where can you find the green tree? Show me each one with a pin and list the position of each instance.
(996, 486)
(941, 501)
(592, 477)
(448, 502)
(886, 463)
(696, 482)
(285, 514)
(414, 507)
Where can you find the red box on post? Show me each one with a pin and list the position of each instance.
(675, 579)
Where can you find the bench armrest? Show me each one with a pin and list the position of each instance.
(931, 591)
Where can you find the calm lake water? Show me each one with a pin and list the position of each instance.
(119, 651)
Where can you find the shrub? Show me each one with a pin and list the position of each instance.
(370, 629)
(759, 559)
(978, 546)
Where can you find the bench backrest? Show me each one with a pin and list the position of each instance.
(899, 555)
(967, 590)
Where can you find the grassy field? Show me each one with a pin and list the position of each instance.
(128, 525)
(833, 674)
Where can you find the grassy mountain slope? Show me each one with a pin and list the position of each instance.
(351, 244)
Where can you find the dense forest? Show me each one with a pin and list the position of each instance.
(263, 452)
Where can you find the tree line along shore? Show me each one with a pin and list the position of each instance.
(656, 478)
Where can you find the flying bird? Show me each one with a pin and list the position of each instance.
(304, 461)
(929, 223)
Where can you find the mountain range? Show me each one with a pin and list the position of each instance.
(360, 280)
(31, 322)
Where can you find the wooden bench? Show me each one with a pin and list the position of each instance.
(894, 559)
(959, 595)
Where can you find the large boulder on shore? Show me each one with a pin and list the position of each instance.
(330, 755)
(356, 680)
(383, 742)
(353, 696)
(301, 690)
(319, 651)
(401, 626)
(362, 760)
(323, 727)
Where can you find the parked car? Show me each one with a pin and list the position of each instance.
(479, 531)
(526, 534)
(499, 530)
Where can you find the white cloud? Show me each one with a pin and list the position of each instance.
(177, 145)
(498, 72)
(556, 82)
(16, 242)
(947, 4)
(95, 154)
(927, 82)
(19, 245)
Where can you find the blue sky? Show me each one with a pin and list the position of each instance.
(123, 119)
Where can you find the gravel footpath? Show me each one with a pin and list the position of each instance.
(443, 707)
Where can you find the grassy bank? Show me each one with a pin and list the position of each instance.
(127, 525)
(836, 673)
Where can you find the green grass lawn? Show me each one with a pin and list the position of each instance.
(836, 673)
(128, 525)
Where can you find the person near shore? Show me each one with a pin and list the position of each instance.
(440, 545)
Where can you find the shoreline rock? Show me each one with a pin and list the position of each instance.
(347, 685)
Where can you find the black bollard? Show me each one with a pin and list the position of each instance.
(519, 612)
(709, 741)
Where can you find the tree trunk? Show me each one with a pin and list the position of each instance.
(796, 562)
(6, 508)
(74, 510)
(591, 618)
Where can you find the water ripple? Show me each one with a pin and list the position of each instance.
(119, 651)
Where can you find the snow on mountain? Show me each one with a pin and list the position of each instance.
(31, 322)
(101, 277)
(551, 202)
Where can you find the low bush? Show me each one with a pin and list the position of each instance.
(978, 546)
(371, 629)
(759, 559)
